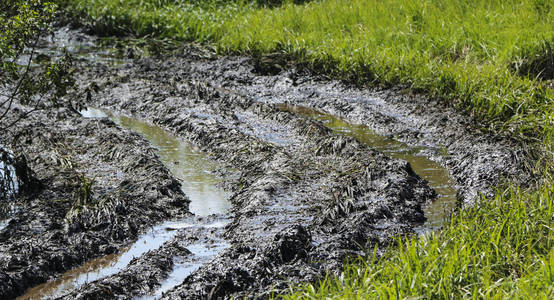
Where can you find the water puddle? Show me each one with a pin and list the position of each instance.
(203, 254)
(438, 177)
(196, 172)
(199, 183)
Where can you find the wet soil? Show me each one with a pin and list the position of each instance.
(64, 223)
(438, 177)
(306, 198)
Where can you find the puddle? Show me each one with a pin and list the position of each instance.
(438, 177)
(183, 268)
(196, 172)
(90, 271)
(199, 183)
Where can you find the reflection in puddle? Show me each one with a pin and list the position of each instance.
(87, 272)
(437, 176)
(199, 183)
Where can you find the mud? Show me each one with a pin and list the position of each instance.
(437, 211)
(66, 221)
(199, 182)
(477, 160)
(306, 197)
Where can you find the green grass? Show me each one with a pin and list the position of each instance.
(491, 59)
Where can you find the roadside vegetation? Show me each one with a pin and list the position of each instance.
(491, 59)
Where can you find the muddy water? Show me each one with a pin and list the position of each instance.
(438, 177)
(199, 183)
(203, 254)
(197, 174)
(89, 271)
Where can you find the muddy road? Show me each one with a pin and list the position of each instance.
(305, 172)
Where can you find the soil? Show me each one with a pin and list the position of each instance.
(306, 200)
(56, 228)
(477, 160)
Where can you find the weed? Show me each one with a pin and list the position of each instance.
(83, 196)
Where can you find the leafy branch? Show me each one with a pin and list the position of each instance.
(22, 23)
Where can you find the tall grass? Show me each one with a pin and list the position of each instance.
(492, 59)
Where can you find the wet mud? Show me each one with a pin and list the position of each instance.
(307, 190)
(97, 188)
(438, 177)
(193, 242)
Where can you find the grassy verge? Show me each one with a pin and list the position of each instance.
(491, 59)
